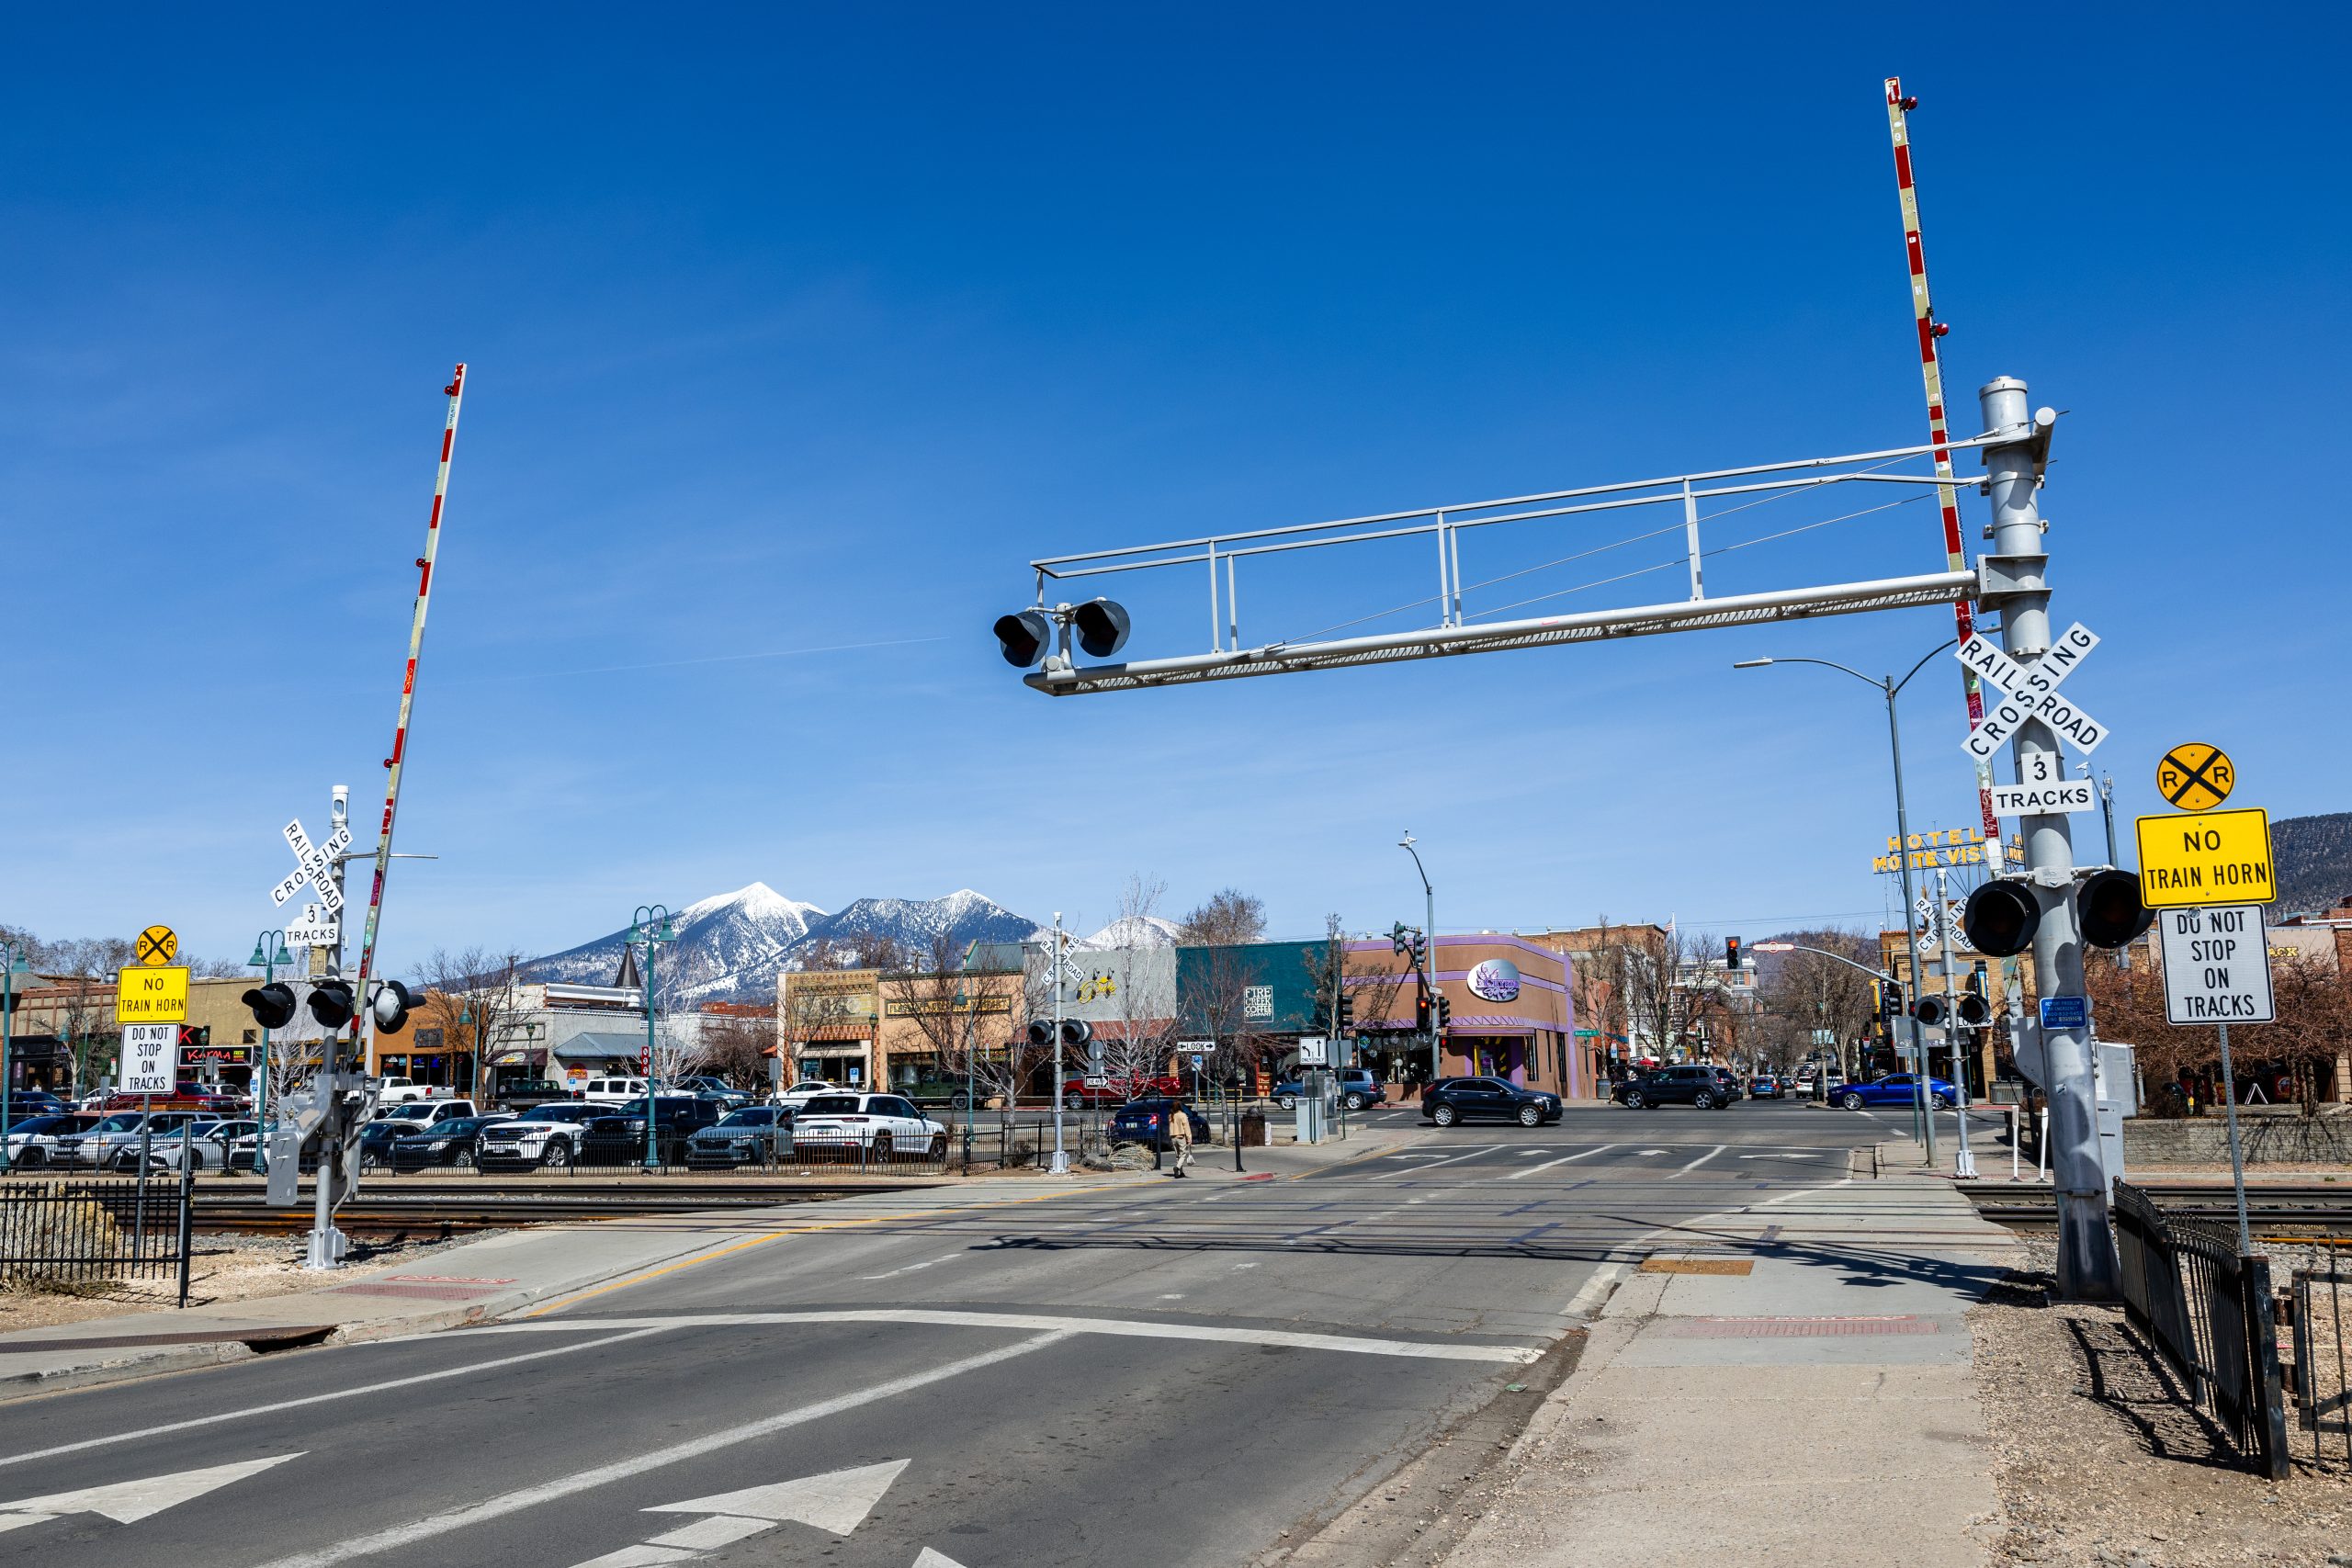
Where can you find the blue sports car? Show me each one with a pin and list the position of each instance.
(1895, 1089)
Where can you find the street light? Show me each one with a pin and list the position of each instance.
(651, 925)
(269, 951)
(12, 964)
(1429, 925)
(1888, 686)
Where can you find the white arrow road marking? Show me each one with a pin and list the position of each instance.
(127, 1502)
(1701, 1160)
(836, 1502)
(910, 1267)
(1649, 1151)
(1416, 1170)
(1523, 1174)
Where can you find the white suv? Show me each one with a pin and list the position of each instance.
(614, 1091)
(886, 1126)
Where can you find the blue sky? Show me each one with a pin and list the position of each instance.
(795, 331)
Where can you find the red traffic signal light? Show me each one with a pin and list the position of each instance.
(1731, 952)
(1421, 1011)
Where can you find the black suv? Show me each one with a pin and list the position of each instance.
(1447, 1100)
(1708, 1089)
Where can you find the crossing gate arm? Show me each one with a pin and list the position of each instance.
(1436, 642)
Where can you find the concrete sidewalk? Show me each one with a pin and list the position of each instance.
(1783, 1385)
(495, 1277)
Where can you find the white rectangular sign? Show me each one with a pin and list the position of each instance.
(1314, 1051)
(2038, 800)
(2217, 965)
(2032, 692)
(150, 1058)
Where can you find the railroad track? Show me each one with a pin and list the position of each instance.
(2288, 1211)
(449, 1209)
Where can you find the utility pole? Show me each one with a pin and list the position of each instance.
(326, 1246)
(2087, 1269)
(1060, 1166)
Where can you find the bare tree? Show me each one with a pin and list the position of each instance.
(85, 1007)
(1799, 993)
(476, 1001)
(1230, 919)
(734, 1046)
(1138, 1046)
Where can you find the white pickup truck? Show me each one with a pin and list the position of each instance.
(404, 1091)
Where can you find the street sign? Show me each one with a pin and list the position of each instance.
(1314, 1051)
(2043, 789)
(2195, 776)
(2032, 692)
(2215, 857)
(151, 1057)
(151, 995)
(312, 863)
(2217, 965)
(1752, 947)
(158, 944)
(1197, 1047)
(2066, 1013)
(315, 929)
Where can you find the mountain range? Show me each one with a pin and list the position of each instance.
(2315, 861)
(729, 947)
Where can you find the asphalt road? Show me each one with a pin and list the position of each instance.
(1163, 1373)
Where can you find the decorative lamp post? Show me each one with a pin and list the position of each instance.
(269, 951)
(1429, 926)
(12, 964)
(650, 926)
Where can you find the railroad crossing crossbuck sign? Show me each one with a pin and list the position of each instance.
(158, 944)
(314, 865)
(2195, 776)
(2032, 692)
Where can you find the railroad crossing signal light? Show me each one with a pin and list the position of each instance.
(1973, 1011)
(1076, 1032)
(1102, 628)
(1731, 954)
(331, 1003)
(1930, 1012)
(2000, 917)
(2108, 906)
(1023, 636)
(1041, 1032)
(272, 1005)
(390, 1006)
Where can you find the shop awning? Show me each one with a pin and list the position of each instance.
(531, 1058)
(600, 1045)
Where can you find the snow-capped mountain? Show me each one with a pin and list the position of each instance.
(914, 924)
(1136, 930)
(729, 946)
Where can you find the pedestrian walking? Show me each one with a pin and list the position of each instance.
(1180, 1136)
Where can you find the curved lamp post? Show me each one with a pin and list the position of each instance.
(651, 925)
(1429, 925)
(1889, 687)
(269, 951)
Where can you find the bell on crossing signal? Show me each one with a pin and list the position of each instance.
(272, 1005)
(1023, 636)
(2108, 906)
(1930, 1011)
(390, 1005)
(331, 1003)
(1102, 628)
(2000, 918)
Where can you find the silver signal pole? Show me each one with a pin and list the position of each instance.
(2017, 583)
(1964, 1164)
(1060, 1166)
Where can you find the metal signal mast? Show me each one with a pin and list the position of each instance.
(1931, 371)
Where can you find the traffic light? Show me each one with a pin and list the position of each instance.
(1930, 1011)
(272, 1005)
(1023, 636)
(1731, 954)
(2109, 905)
(1421, 951)
(1444, 1013)
(390, 1006)
(1102, 628)
(1421, 1013)
(1890, 999)
(1347, 1012)
(2000, 917)
(331, 1003)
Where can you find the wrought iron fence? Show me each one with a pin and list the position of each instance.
(2318, 1300)
(2207, 1310)
(72, 1231)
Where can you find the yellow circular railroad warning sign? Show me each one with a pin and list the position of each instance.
(158, 944)
(2195, 776)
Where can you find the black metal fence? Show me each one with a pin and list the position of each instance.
(2318, 1300)
(2207, 1310)
(75, 1232)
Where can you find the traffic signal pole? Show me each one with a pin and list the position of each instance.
(2018, 585)
(1964, 1164)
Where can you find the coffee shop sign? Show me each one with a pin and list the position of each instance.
(1494, 980)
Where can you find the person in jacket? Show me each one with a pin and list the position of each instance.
(1180, 1134)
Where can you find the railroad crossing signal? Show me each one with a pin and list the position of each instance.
(314, 863)
(2195, 776)
(158, 944)
(2032, 692)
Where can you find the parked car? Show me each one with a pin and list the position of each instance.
(449, 1141)
(198, 1099)
(749, 1135)
(376, 1143)
(618, 1138)
(33, 1142)
(716, 1088)
(885, 1125)
(1358, 1088)
(550, 1135)
(954, 1093)
(1893, 1089)
(1764, 1086)
(612, 1092)
(1697, 1084)
(427, 1113)
(807, 1090)
(24, 1103)
(205, 1145)
(1117, 1089)
(1149, 1122)
(1447, 1100)
(112, 1141)
(407, 1091)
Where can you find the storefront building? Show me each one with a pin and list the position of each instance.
(827, 1023)
(938, 1031)
(1510, 1014)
